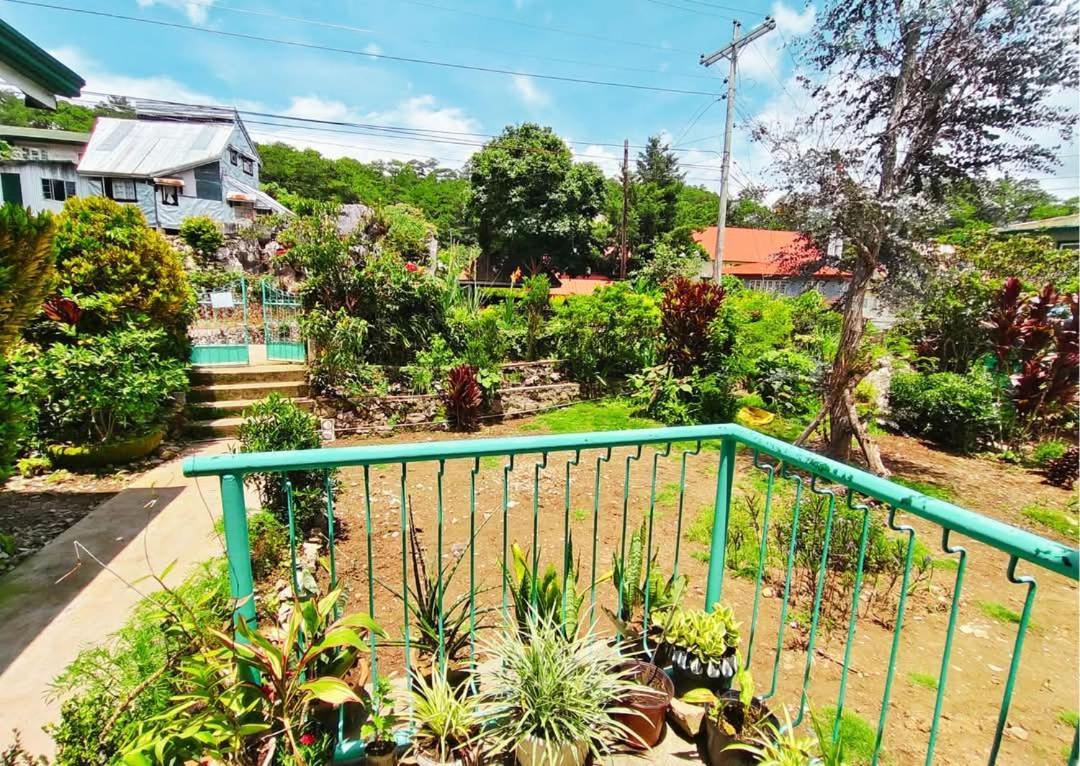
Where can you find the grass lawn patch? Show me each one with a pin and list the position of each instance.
(856, 734)
(925, 680)
(581, 514)
(1064, 524)
(600, 415)
(999, 612)
(928, 488)
(1070, 718)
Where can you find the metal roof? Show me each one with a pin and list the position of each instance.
(262, 200)
(44, 134)
(147, 148)
(41, 76)
(1071, 221)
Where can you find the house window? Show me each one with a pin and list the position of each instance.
(234, 157)
(120, 189)
(208, 182)
(57, 189)
(170, 195)
(249, 166)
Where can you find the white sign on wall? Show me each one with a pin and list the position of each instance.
(222, 300)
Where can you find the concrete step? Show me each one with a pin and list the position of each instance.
(259, 373)
(231, 392)
(234, 408)
(217, 428)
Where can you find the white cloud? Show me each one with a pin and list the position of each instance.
(197, 11)
(763, 58)
(99, 80)
(529, 92)
(373, 48)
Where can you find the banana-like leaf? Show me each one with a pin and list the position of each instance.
(330, 690)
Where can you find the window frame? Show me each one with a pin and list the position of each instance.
(248, 165)
(109, 186)
(165, 192)
(234, 156)
(49, 187)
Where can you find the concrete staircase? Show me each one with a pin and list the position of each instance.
(219, 395)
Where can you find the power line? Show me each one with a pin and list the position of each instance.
(688, 10)
(746, 11)
(367, 54)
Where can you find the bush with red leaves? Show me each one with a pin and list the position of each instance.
(463, 398)
(688, 308)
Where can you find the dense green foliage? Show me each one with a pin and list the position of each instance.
(533, 204)
(613, 332)
(66, 116)
(954, 410)
(277, 423)
(101, 388)
(116, 267)
(203, 236)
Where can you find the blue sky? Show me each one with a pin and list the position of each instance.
(646, 42)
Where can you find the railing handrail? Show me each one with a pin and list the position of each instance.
(1014, 541)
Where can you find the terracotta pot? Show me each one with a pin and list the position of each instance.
(717, 740)
(689, 672)
(537, 752)
(381, 754)
(646, 719)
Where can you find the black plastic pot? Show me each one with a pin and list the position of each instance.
(381, 754)
(646, 720)
(718, 741)
(689, 672)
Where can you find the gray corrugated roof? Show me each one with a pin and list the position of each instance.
(1057, 222)
(44, 134)
(148, 148)
(262, 199)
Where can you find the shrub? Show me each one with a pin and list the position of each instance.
(277, 423)
(953, 410)
(477, 336)
(1048, 451)
(269, 539)
(463, 398)
(26, 269)
(116, 267)
(104, 388)
(1065, 470)
(429, 366)
(667, 263)
(947, 325)
(687, 312)
(14, 427)
(202, 235)
(788, 381)
(535, 303)
(611, 333)
(764, 321)
(407, 232)
(696, 398)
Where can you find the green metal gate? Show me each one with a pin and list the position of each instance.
(219, 334)
(281, 326)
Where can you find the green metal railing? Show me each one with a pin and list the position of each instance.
(796, 478)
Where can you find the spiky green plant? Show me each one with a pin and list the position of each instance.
(546, 685)
(27, 271)
(628, 576)
(546, 595)
(773, 745)
(447, 720)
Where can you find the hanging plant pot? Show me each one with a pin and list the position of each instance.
(689, 672)
(646, 719)
(533, 751)
(739, 722)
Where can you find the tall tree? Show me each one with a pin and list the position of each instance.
(657, 164)
(919, 94)
(749, 210)
(532, 204)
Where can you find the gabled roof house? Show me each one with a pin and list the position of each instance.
(177, 168)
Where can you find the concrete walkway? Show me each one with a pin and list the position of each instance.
(160, 517)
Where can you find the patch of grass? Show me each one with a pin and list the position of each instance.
(856, 733)
(928, 488)
(999, 612)
(492, 461)
(1051, 518)
(1070, 718)
(581, 514)
(925, 680)
(668, 494)
(601, 415)
(700, 530)
(946, 565)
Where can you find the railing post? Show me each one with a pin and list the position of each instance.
(237, 548)
(718, 552)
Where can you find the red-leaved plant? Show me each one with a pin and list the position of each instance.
(463, 398)
(61, 309)
(1035, 342)
(688, 308)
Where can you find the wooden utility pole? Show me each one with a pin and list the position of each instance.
(731, 53)
(623, 254)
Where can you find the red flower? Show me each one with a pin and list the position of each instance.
(307, 740)
(411, 267)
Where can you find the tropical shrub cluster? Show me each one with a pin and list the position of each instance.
(203, 236)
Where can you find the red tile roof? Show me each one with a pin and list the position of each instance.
(756, 252)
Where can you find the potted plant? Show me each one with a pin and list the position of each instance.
(634, 590)
(646, 708)
(553, 697)
(735, 724)
(380, 746)
(545, 595)
(771, 745)
(447, 723)
(703, 647)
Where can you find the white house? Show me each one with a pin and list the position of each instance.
(39, 171)
(177, 168)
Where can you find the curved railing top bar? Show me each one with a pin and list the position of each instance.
(1024, 545)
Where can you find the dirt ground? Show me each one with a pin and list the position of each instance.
(982, 647)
